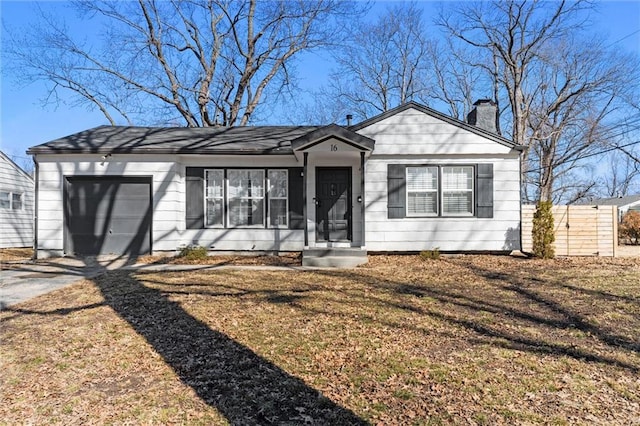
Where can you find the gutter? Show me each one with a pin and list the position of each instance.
(116, 150)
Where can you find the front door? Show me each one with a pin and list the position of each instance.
(333, 204)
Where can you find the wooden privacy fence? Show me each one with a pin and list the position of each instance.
(580, 230)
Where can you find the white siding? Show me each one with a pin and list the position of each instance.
(320, 155)
(409, 137)
(412, 137)
(16, 226)
(169, 200)
(502, 232)
(241, 239)
(412, 132)
(168, 216)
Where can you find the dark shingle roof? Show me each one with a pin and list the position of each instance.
(177, 140)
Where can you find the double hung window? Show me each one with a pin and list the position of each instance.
(5, 200)
(440, 190)
(10, 200)
(278, 197)
(214, 198)
(246, 198)
(457, 191)
(422, 191)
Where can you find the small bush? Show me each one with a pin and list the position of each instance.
(193, 253)
(542, 234)
(630, 227)
(430, 254)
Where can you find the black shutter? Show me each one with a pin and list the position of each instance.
(484, 192)
(396, 191)
(296, 188)
(195, 197)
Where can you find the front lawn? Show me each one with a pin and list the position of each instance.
(470, 339)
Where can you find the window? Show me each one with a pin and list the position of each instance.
(246, 197)
(10, 200)
(457, 191)
(440, 190)
(214, 198)
(16, 203)
(278, 196)
(5, 200)
(422, 191)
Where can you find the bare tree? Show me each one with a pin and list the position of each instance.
(559, 88)
(384, 64)
(579, 86)
(456, 79)
(622, 176)
(199, 62)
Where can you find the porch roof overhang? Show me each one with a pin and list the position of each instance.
(333, 131)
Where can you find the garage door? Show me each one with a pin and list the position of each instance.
(107, 215)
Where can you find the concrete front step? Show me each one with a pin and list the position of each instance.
(334, 257)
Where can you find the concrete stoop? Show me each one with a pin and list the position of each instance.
(334, 257)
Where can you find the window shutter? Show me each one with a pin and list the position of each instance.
(484, 193)
(396, 191)
(296, 188)
(195, 197)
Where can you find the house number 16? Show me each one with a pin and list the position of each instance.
(334, 147)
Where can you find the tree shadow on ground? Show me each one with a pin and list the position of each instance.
(241, 385)
(468, 308)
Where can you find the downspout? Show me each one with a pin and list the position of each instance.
(35, 209)
(363, 202)
(522, 149)
(304, 198)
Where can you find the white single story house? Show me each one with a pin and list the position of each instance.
(16, 205)
(409, 179)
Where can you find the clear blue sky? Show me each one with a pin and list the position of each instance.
(25, 122)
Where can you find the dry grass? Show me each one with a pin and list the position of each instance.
(472, 339)
(15, 254)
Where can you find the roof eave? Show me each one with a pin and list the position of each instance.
(49, 151)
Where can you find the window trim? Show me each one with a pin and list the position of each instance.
(266, 197)
(440, 191)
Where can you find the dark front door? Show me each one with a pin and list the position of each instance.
(333, 204)
(107, 215)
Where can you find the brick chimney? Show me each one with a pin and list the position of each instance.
(483, 115)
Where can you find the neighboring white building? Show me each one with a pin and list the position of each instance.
(16, 205)
(409, 179)
(624, 204)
